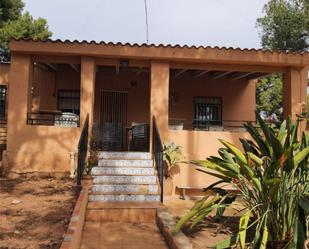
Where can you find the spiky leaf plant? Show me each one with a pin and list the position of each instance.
(271, 174)
(172, 154)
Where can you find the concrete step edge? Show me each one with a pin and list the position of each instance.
(124, 155)
(122, 198)
(125, 193)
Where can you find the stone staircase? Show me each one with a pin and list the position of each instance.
(124, 176)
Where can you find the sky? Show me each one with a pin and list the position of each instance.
(230, 23)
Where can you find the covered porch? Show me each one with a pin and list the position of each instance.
(199, 101)
(196, 95)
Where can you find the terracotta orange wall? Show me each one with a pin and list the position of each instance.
(46, 148)
(4, 74)
(32, 148)
(47, 84)
(238, 98)
(138, 97)
(199, 145)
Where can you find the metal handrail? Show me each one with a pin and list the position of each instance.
(82, 150)
(53, 119)
(158, 155)
(207, 124)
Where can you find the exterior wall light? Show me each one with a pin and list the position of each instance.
(124, 63)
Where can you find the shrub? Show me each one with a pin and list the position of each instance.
(272, 177)
(172, 154)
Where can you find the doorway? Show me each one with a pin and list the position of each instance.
(113, 120)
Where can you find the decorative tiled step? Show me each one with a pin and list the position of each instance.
(124, 179)
(121, 171)
(126, 189)
(125, 163)
(124, 155)
(123, 197)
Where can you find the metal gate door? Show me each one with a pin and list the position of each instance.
(113, 120)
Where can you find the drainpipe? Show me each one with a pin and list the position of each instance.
(72, 164)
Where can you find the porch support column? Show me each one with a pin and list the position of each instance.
(21, 75)
(87, 88)
(295, 93)
(159, 90)
(19, 99)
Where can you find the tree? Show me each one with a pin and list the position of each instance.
(15, 25)
(269, 96)
(284, 27)
(10, 10)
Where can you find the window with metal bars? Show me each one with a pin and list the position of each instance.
(69, 101)
(207, 112)
(3, 91)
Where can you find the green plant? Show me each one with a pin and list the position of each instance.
(172, 154)
(91, 162)
(95, 146)
(272, 176)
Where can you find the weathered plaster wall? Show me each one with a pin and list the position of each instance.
(45, 148)
(46, 85)
(199, 145)
(138, 96)
(33, 148)
(238, 98)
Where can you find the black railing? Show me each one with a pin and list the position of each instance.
(82, 151)
(158, 155)
(63, 119)
(207, 125)
(3, 132)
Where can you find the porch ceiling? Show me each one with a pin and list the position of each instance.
(216, 74)
(58, 66)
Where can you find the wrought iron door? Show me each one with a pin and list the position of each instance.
(113, 120)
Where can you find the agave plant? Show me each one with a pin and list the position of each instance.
(272, 177)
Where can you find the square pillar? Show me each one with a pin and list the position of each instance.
(159, 94)
(19, 92)
(295, 93)
(87, 88)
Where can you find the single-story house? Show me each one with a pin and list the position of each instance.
(197, 95)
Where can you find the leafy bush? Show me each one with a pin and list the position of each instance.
(95, 147)
(272, 177)
(172, 154)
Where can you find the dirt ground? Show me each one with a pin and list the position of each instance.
(209, 232)
(35, 212)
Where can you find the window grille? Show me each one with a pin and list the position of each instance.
(207, 112)
(69, 101)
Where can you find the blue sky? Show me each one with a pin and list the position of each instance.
(196, 22)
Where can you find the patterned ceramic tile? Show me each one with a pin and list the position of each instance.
(121, 171)
(126, 163)
(129, 178)
(151, 188)
(125, 179)
(124, 155)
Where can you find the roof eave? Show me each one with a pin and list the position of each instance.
(161, 52)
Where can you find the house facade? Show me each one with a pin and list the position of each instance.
(197, 95)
